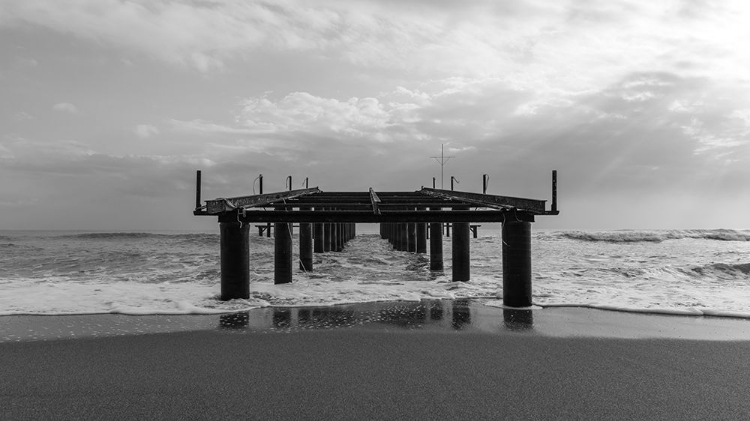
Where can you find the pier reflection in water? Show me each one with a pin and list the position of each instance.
(518, 320)
(432, 315)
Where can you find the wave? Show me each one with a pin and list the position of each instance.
(723, 270)
(137, 235)
(655, 236)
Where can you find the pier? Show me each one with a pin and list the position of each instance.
(327, 220)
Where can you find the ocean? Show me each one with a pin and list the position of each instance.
(684, 272)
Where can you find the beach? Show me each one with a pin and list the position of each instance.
(541, 364)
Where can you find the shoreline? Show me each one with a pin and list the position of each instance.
(435, 316)
(378, 373)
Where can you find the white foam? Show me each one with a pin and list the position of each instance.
(692, 275)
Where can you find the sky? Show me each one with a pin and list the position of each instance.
(108, 107)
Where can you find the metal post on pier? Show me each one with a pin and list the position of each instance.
(198, 189)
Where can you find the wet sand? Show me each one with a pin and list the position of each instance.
(382, 370)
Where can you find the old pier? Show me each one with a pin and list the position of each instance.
(327, 220)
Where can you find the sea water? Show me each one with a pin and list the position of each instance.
(691, 272)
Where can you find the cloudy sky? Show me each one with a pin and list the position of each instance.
(109, 106)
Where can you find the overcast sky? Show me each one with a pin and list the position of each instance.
(108, 107)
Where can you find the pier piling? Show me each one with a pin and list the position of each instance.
(412, 234)
(327, 237)
(436, 246)
(282, 254)
(516, 263)
(235, 260)
(319, 238)
(305, 246)
(461, 252)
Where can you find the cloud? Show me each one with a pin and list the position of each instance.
(65, 107)
(567, 44)
(22, 116)
(145, 131)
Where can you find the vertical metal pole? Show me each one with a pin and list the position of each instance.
(235, 260)
(198, 190)
(517, 263)
(554, 190)
(461, 251)
(484, 183)
(433, 182)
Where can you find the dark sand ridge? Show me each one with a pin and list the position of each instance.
(386, 370)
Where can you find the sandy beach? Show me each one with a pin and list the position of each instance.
(382, 370)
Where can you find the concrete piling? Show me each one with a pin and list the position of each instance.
(436, 246)
(282, 254)
(235, 260)
(516, 263)
(421, 237)
(461, 252)
(319, 238)
(412, 237)
(305, 246)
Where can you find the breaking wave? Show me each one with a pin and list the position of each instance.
(656, 236)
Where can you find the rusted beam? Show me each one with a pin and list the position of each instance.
(231, 203)
(488, 200)
(366, 216)
(374, 201)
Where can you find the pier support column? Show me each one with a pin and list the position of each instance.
(436, 246)
(305, 246)
(282, 270)
(421, 236)
(461, 252)
(235, 260)
(336, 246)
(319, 238)
(517, 264)
(327, 237)
(404, 236)
(412, 234)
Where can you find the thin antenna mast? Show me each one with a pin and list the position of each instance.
(442, 159)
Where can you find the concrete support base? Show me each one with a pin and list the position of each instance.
(436, 246)
(305, 247)
(282, 271)
(517, 264)
(461, 252)
(235, 260)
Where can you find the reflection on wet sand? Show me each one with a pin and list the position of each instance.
(461, 314)
(234, 320)
(448, 315)
(518, 320)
